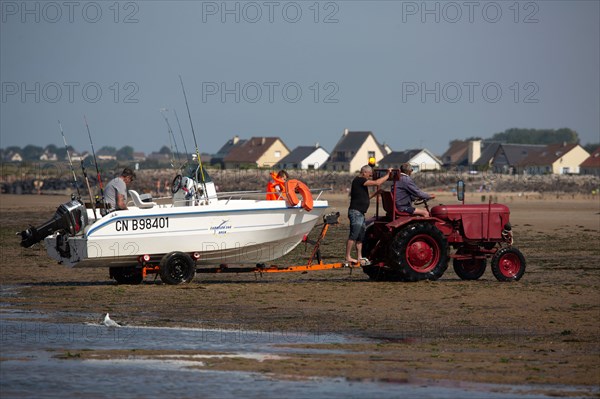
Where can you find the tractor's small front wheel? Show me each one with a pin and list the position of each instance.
(508, 264)
(469, 269)
(176, 268)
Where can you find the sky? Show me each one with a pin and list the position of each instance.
(416, 74)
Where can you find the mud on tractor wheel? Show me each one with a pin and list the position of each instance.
(418, 252)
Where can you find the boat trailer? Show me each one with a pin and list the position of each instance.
(314, 263)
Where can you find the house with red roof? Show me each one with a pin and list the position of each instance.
(591, 166)
(257, 152)
(456, 154)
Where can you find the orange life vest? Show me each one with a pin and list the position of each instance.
(292, 187)
(274, 182)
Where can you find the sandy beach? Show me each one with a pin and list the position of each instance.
(542, 330)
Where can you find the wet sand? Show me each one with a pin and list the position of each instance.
(541, 330)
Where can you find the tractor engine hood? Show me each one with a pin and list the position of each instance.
(478, 221)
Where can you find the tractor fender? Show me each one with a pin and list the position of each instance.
(406, 220)
(444, 227)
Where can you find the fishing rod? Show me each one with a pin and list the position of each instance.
(87, 182)
(70, 161)
(194, 135)
(95, 161)
(182, 139)
(171, 138)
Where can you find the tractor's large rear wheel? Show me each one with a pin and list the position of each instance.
(374, 249)
(418, 252)
(468, 269)
(370, 243)
(508, 264)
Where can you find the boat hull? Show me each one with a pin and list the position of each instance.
(222, 232)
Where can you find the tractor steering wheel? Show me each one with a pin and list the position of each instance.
(422, 201)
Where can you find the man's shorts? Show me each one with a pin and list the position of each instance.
(357, 225)
(407, 209)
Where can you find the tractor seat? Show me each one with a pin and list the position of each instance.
(387, 201)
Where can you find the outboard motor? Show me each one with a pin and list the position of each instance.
(70, 217)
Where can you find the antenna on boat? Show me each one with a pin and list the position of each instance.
(171, 138)
(95, 162)
(181, 132)
(194, 135)
(70, 161)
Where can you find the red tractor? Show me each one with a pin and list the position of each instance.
(403, 247)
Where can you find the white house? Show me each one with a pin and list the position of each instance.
(305, 157)
(48, 156)
(420, 159)
(78, 157)
(14, 157)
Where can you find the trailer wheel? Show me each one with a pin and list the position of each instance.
(418, 252)
(126, 275)
(177, 268)
(508, 264)
(468, 269)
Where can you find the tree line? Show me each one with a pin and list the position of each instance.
(537, 136)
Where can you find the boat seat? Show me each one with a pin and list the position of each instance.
(137, 200)
(387, 200)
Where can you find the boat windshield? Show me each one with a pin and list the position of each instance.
(192, 170)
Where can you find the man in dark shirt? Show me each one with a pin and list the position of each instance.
(407, 191)
(359, 204)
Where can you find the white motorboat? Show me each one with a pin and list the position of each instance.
(195, 227)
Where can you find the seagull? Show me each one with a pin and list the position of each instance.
(110, 323)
